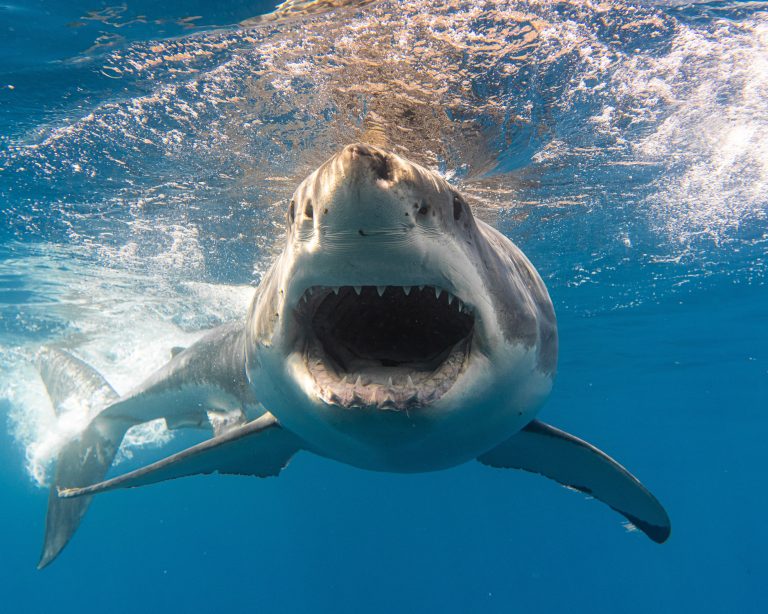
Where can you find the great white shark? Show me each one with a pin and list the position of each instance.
(395, 332)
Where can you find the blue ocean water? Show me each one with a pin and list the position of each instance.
(147, 153)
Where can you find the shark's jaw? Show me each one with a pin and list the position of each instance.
(386, 347)
(386, 333)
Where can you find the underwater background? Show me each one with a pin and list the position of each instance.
(147, 154)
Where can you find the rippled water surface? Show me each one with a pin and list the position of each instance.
(147, 155)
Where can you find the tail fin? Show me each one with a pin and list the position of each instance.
(84, 460)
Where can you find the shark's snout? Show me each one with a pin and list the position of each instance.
(367, 192)
(370, 200)
(363, 158)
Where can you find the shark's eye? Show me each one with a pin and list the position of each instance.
(292, 211)
(458, 206)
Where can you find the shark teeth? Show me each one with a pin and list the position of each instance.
(313, 294)
(395, 393)
(363, 345)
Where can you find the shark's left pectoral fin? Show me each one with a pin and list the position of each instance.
(543, 449)
(260, 448)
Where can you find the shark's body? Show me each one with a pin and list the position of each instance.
(395, 333)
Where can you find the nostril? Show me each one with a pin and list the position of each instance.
(309, 210)
(292, 211)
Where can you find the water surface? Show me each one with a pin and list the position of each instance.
(147, 153)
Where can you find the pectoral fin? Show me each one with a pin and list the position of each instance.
(261, 448)
(543, 449)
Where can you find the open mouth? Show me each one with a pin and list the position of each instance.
(391, 347)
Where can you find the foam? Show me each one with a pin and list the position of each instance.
(715, 142)
(116, 322)
(691, 103)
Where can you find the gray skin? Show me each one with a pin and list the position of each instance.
(395, 332)
(368, 217)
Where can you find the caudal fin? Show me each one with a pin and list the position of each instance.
(84, 460)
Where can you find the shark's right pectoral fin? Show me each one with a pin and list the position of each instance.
(260, 448)
(541, 448)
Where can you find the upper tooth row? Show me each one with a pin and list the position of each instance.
(406, 289)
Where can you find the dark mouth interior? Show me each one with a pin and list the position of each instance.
(384, 326)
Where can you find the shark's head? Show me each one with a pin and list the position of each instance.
(395, 331)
